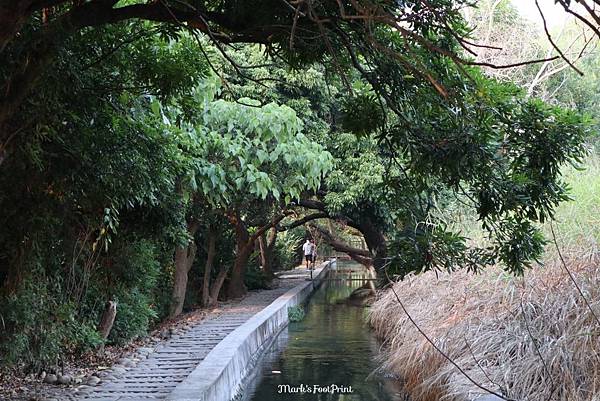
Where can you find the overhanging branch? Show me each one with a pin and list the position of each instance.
(304, 220)
(339, 245)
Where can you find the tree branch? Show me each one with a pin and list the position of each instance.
(312, 204)
(252, 239)
(554, 43)
(305, 219)
(338, 245)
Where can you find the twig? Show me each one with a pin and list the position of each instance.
(438, 349)
(552, 41)
(537, 350)
(564, 264)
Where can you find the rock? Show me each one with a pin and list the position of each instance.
(50, 379)
(84, 388)
(65, 379)
(78, 380)
(92, 381)
(128, 363)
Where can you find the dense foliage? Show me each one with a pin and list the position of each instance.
(144, 165)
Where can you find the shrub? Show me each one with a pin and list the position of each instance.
(38, 327)
(256, 279)
(134, 316)
(285, 254)
(296, 313)
(135, 273)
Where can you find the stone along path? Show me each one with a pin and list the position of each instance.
(156, 372)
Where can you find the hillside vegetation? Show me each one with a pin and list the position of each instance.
(525, 336)
(528, 338)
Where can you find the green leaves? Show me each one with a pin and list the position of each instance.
(362, 114)
(240, 150)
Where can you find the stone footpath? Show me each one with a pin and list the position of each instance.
(152, 373)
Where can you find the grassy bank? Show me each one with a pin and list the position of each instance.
(530, 338)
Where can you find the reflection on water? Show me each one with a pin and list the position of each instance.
(329, 356)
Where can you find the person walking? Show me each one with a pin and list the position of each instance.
(307, 248)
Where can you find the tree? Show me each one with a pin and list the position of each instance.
(91, 216)
(123, 162)
(510, 38)
(261, 154)
(242, 154)
(331, 31)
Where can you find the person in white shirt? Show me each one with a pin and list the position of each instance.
(308, 251)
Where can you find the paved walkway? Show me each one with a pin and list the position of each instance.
(155, 376)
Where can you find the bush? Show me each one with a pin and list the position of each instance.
(285, 254)
(134, 316)
(39, 327)
(256, 279)
(135, 274)
(55, 308)
(296, 313)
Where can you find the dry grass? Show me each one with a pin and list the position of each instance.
(495, 326)
(492, 325)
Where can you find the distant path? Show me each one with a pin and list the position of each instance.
(155, 376)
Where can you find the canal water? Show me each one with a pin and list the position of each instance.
(328, 356)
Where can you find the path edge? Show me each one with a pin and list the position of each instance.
(220, 374)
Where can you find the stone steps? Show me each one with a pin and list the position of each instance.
(154, 377)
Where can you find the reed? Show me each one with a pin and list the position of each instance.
(530, 338)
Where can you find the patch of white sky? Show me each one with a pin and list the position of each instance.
(554, 14)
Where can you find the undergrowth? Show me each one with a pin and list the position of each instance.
(529, 338)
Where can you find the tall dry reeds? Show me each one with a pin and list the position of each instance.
(531, 338)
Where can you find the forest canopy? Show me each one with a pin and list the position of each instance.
(152, 153)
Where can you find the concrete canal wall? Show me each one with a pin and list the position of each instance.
(219, 376)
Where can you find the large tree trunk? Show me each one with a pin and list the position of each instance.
(361, 256)
(237, 288)
(376, 243)
(215, 289)
(267, 246)
(243, 249)
(264, 257)
(210, 256)
(184, 258)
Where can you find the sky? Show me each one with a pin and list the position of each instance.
(554, 14)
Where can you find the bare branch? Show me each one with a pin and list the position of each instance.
(436, 347)
(552, 41)
(304, 220)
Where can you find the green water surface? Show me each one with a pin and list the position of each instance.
(329, 356)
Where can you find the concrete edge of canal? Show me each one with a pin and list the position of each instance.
(219, 376)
